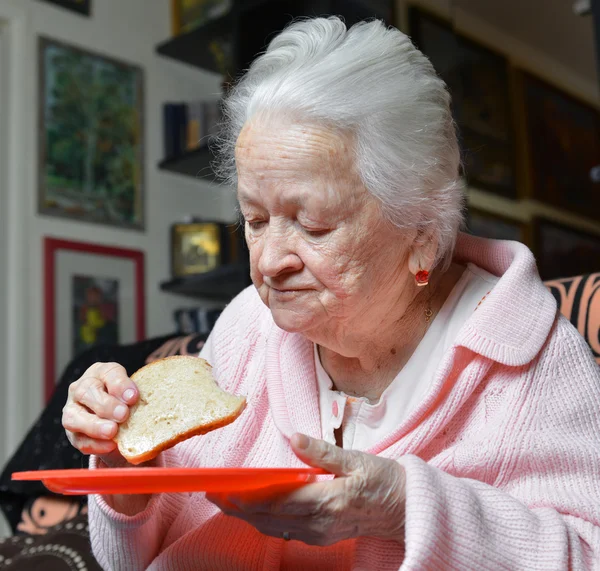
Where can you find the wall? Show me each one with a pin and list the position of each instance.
(126, 30)
(3, 234)
(525, 56)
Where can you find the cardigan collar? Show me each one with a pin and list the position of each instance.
(514, 320)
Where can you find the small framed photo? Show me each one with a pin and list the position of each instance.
(93, 294)
(196, 248)
(562, 147)
(563, 252)
(82, 7)
(91, 137)
(491, 225)
(479, 82)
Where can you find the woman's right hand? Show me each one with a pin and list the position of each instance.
(98, 402)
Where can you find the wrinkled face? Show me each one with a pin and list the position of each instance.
(322, 257)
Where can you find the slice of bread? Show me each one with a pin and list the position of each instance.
(178, 399)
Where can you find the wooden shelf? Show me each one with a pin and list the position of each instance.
(193, 47)
(194, 163)
(221, 284)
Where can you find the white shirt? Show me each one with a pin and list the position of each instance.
(364, 424)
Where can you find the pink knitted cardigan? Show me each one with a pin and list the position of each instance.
(502, 456)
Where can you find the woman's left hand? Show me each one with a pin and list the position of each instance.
(367, 497)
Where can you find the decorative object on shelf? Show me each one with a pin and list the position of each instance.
(491, 225)
(93, 294)
(91, 137)
(80, 6)
(196, 248)
(562, 147)
(189, 126)
(187, 15)
(200, 246)
(478, 80)
(562, 251)
(195, 320)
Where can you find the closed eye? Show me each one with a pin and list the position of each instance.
(256, 224)
(317, 233)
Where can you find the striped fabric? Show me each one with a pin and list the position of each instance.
(579, 301)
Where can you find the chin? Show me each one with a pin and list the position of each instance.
(291, 321)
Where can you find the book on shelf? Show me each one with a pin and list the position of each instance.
(189, 126)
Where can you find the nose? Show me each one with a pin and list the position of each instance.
(277, 255)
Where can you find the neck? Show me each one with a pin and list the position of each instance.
(366, 362)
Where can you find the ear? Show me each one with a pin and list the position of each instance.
(422, 251)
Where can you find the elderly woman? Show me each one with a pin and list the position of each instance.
(427, 370)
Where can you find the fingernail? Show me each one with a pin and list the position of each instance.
(302, 441)
(120, 412)
(128, 394)
(107, 428)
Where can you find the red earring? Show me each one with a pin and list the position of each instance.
(422, 278)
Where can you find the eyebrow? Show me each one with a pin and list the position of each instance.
(243, 197)
(247, 199)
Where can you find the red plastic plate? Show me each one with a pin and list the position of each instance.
(157, 480)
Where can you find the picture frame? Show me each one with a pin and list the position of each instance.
(83, 7)
(201, 246)
(562, 146)
(91, 137)
(487, 224)
(196, 248)
(479, 81)
(92, 294)
(563, 251)
(187, 15)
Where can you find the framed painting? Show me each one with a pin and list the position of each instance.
(491, 225)
(563, 147)
(479, 82)
(562, 251)
(82, 7)
(91, 133)
(93, 294)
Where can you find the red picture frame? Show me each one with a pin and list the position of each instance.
(52, 248)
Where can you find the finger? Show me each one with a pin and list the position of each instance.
(88, 445)
(263, 496)
(309, 500)
(116, 380)
(91, 393)
(321, 454)
(78, 420)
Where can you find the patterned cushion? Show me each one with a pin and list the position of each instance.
(579, 301)
(64, 547)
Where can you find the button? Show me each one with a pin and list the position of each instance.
(335, 408)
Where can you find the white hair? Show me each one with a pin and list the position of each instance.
(369, 80)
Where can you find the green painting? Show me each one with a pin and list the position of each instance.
(91, 137)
